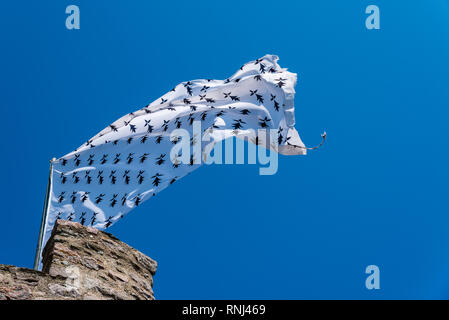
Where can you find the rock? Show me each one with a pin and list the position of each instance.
(92, 297)
(113, 293)
(57, 271)
(91, 264)
(146, 262)
(3, 279)
(65, 291)
(117, 276)
(15, 293)
(82, 263)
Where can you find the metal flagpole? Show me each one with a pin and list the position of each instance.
(44, 218)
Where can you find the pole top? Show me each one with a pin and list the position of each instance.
(53, 159)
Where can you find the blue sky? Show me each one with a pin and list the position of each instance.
(376, 193)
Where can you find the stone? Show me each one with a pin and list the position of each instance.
(91, 264)
(57, 271)
(82, 263)
(117, 276)
(148, 263)
(3, 279)
(65, 291)
(15, 293)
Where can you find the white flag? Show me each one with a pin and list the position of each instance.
(132, 160)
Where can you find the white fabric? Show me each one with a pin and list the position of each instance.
(128, 162)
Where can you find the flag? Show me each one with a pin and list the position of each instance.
(132, 159)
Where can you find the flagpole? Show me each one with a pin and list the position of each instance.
(44, 218)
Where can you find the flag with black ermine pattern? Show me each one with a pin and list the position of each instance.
(129, 161)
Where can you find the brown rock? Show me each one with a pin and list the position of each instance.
(82, 263)
(117, 276)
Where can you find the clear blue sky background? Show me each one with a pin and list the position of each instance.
(376, 193)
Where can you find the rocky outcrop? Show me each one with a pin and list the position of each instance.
(82, 263)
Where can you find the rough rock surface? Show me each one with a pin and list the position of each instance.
(82, 263)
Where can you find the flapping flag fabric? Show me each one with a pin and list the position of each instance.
(130, 161)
